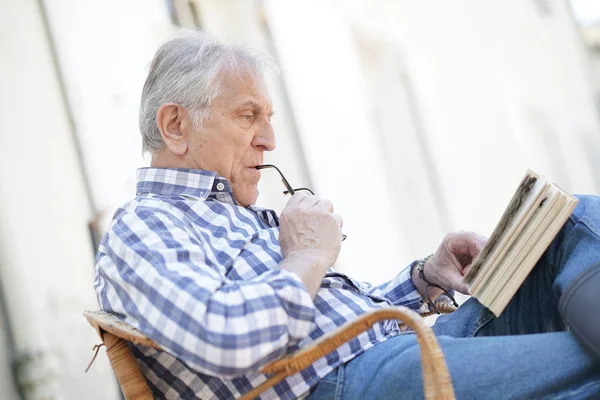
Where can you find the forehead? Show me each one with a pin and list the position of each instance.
(244, 86)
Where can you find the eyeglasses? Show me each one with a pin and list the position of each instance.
(289, 189)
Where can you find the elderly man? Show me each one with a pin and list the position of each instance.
(225, 287)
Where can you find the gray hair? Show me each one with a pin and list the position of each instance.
(186, 71)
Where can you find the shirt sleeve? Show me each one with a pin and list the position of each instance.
(400, 291)
(152, 270)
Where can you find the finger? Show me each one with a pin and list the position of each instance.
(325, 204)
(466, 269)
(339, 219)
(463, 288)
(447, 277)
(464, 248)
(467, 243)
(297, 198)
(460, 261)
(311, 201)
(456, 282)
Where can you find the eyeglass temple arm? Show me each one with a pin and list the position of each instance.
(299, 190)
(285, 182)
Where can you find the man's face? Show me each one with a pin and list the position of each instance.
(235, 134)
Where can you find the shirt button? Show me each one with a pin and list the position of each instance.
(220, 186)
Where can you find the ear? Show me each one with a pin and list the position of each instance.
(169, 118)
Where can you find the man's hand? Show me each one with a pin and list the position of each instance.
(451, 262)
(310, 238)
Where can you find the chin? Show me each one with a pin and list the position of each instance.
(247, 196)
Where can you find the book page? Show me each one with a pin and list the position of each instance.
(538, 223)
(520, 207)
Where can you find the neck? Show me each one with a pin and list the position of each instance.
(166, 159)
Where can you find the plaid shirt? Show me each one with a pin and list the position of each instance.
(199, 275)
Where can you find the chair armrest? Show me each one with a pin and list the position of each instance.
(103, 321)
(436, 378)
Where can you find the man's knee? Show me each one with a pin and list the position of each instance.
(588, 212)
(588, 205)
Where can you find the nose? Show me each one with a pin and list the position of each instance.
(265, 138)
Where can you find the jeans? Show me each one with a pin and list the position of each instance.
(525, 353)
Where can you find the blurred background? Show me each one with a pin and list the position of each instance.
(416, 118)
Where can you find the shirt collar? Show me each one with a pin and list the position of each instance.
(195, 183)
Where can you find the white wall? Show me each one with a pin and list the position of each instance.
(499, 87)
(104, 49)
(595, 61)
(46, 260)
(399, 131)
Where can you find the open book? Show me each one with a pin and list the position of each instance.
(532, 219)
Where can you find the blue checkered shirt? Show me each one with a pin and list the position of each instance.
(199, 275)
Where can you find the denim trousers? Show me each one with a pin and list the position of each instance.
(527, 352)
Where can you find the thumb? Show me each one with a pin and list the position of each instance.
(463, 288)
(456, 281)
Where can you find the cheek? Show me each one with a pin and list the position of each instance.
(242, 149)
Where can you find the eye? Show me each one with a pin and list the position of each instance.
(246, 119)
(248, 115)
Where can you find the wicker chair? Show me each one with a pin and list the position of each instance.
(436, 380)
